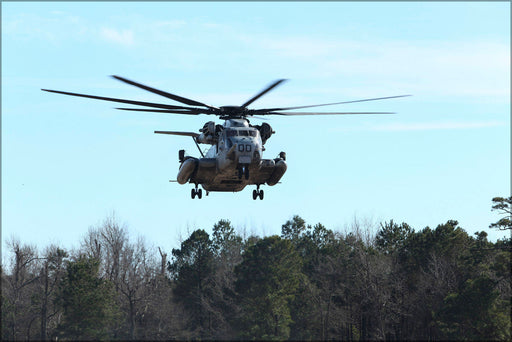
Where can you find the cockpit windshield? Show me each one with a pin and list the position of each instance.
(241, 132)
(247, 133)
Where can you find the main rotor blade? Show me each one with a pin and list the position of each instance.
(140, 103)
(163, 93)
(186, 112)
(263, 92)
(256, 117)
(187, 134)
(329, 104)
(327, 113)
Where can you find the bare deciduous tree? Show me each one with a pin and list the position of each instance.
(23, 274)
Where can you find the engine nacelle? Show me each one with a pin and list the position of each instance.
(265, 131)
(186, 170)
(206, 139)
(279, 170)
(210, 133)
(208, 128)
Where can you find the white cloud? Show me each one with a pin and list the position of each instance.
(472, 69)
(438, 68)
(60, 27)
(123, 37)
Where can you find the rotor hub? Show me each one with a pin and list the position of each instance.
(237, 111)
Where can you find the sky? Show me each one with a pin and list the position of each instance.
(68, 162)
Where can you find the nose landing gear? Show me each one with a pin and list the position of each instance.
(257, 193)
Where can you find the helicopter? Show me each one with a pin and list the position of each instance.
(235, 158)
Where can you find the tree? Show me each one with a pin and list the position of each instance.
(310, 284)
(313, 243)
(88, 303)
(367, 292)
(311, 308)
(129, 266)
(105, 243)
(471, 313)
(391, 236)
(331, 275)
(267, 282)
(434, 262)
(136, 269)
(228, 253)
(292, 229)
(114, 237)
(448, 240)
(224, 236)
(18, 289)
(162, 316)
(192, 269)
(51, 276)
(504, 207)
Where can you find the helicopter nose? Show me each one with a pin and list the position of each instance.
(248, 152)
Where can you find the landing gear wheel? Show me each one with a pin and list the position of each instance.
(246, 169)
(240, 173)
(257, 193)
(198, 192)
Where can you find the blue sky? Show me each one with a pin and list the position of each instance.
(69, 162)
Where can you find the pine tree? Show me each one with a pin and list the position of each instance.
(268, 279)
(192, 269)
(89, 309)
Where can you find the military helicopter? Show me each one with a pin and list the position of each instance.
(235, 158)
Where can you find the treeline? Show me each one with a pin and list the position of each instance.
(309, 283)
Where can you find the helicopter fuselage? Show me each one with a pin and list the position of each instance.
(234, 160)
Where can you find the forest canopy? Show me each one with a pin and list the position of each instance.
(309, 283)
